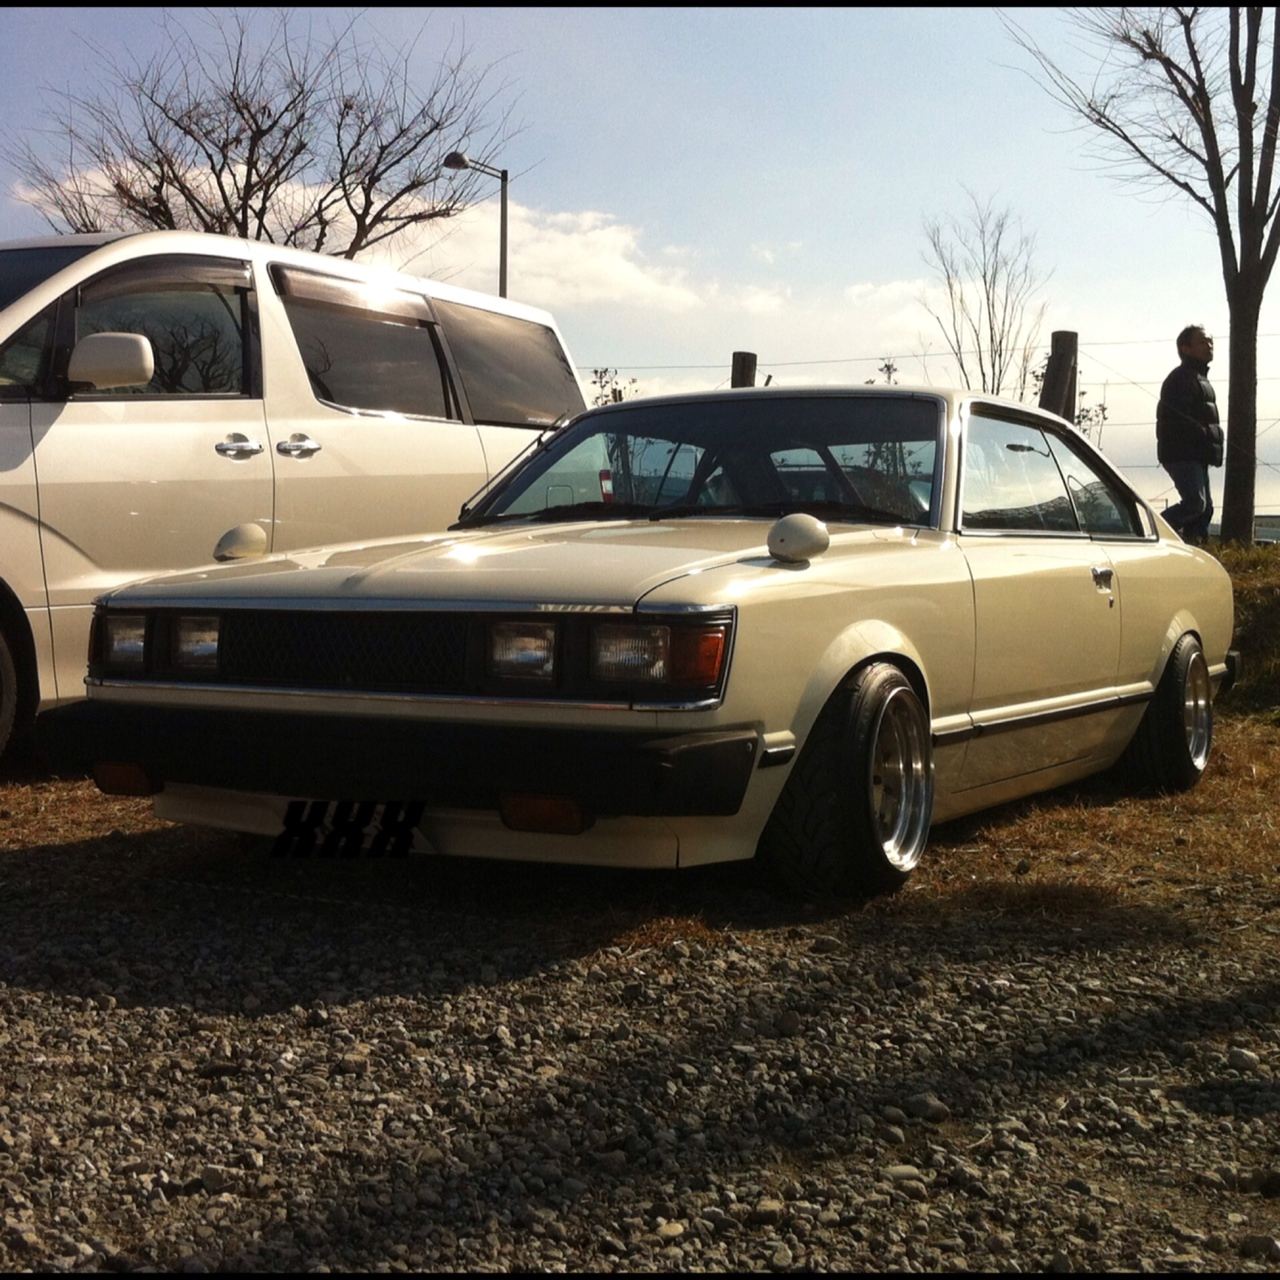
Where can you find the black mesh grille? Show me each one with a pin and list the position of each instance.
(413, 652)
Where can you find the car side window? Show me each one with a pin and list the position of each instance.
(365, 349)
(22, 358)
(1011, 481)
(1101, 505)
(196, 317)
(515, 371)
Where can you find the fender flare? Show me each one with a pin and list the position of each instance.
(862, 642)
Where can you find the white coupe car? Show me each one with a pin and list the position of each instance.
(802, 625)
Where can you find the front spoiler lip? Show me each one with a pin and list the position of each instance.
(610, 773)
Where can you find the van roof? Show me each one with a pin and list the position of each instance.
(196, 241)
(88, 238)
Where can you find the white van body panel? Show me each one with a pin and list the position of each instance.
(99, 489)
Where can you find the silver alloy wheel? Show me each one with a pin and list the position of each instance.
(900, 780)
(1197, 710)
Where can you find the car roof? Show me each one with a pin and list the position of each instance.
(952, 397)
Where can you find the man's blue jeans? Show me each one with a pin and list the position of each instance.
(1191, 514)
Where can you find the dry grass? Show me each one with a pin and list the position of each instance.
(1205, 864)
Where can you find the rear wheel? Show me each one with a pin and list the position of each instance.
(853, 818)
(1171, 746)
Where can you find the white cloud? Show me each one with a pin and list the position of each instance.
(555, 260)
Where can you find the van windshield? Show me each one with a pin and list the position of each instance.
(23, 269)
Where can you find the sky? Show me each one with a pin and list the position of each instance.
(690, 182)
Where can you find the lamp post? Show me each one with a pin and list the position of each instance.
(460, 160)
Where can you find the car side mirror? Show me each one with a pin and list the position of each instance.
(106, 360)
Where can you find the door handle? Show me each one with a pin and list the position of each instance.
(237, 446)
(298, 445)
(1102, 578)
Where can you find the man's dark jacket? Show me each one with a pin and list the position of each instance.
(1187, 428)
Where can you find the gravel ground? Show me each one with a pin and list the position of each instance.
(215, 1061)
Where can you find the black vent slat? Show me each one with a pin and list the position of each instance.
(388, 652)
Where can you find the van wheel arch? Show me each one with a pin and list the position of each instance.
(19, 684)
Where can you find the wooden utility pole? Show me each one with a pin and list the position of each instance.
(743, 371)
(1058, 391)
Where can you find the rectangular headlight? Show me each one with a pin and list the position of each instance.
(523, 650)
(195, 643)
(630, 652)
(124, 641)
(653, 653)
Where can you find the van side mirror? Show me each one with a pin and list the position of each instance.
(106, 360)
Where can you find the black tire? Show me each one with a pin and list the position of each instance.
(837, 828)
(8, 698)
(1170, 749)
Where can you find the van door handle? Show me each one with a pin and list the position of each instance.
(298, 445)
(1102, 578)
(237, 446)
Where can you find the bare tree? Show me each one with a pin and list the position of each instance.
(990, 322)
(327, 144)
(1188, 101)
(611, 389)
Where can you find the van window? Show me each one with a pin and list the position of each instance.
(368, 360)
(196, 327)
(23, 269)
(22, 357)
(515, 372)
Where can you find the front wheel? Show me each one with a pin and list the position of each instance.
(1171, 747)
(853, 818)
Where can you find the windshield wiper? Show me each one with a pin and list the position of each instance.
(854, 512)
(570, 511)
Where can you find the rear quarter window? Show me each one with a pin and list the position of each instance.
(515, 371)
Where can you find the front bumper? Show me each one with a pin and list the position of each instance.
(610, 774)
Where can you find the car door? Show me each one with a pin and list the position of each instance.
(365, 425)
(140, 480)
(1047, 616)
(1110, 512)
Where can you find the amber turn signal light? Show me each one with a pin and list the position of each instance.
(555, 815)
(118, 779)
(697, 654)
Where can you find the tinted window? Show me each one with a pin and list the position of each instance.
(23, 269)
(365, 360)
(22, 357)
(1101, 505)
(1011, 480)
(515, 372)
(197, 331)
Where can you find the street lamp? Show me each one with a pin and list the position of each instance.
(459, 160)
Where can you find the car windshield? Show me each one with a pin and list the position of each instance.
(23, 269)
(852, 458)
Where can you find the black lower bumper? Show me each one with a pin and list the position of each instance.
(381, 758)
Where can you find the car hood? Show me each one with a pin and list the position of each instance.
(607, 562)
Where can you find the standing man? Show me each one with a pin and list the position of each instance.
(1188, 434)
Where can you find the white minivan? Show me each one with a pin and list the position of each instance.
(168, 398)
